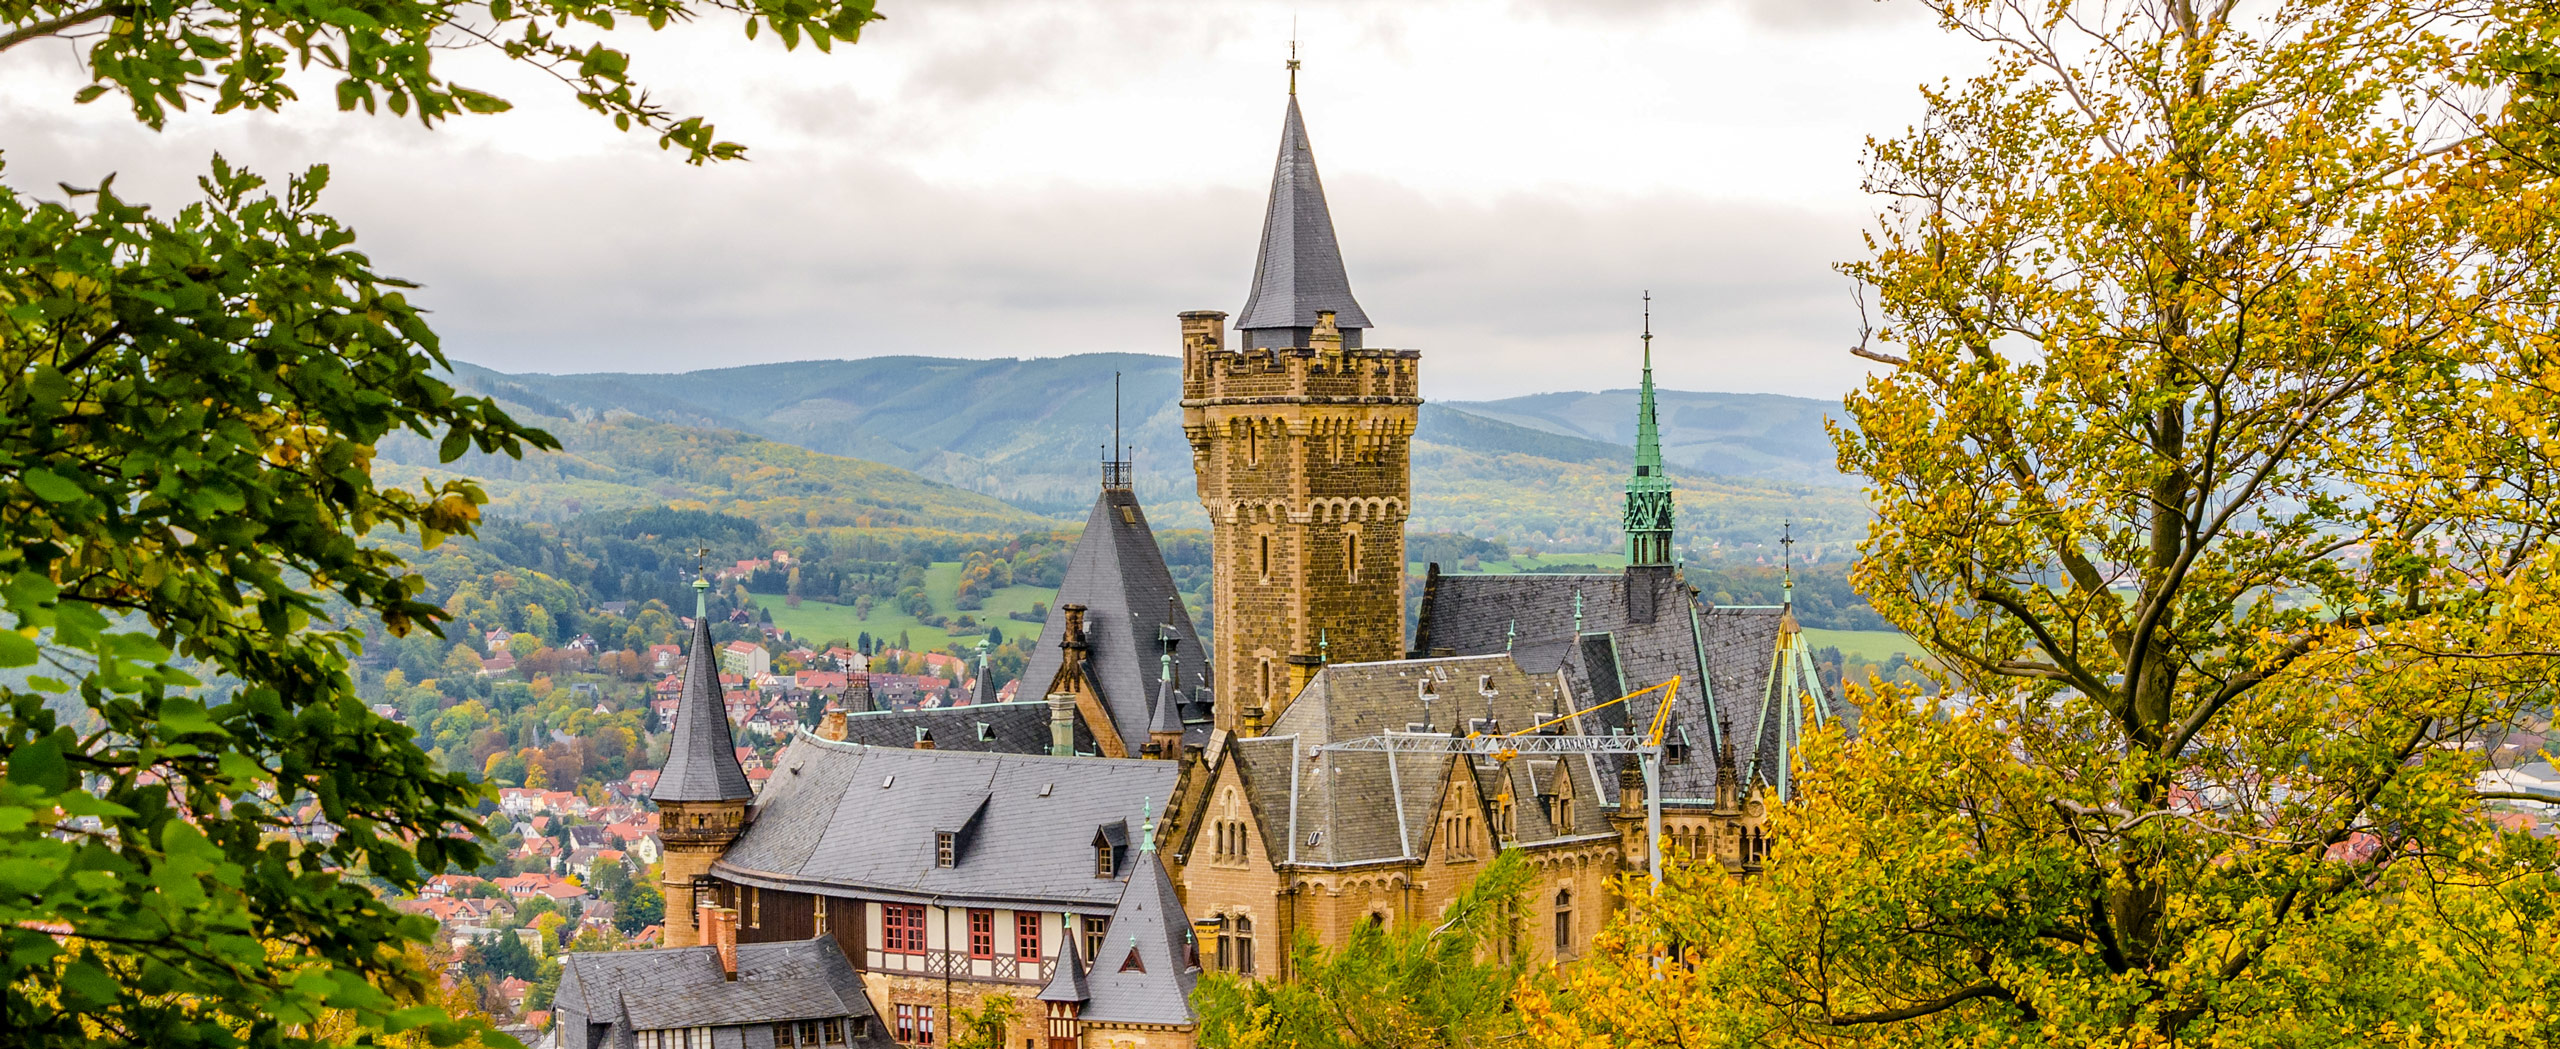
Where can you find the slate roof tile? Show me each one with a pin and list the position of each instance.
(1299, 268)
(1118, 574)
(861, 819)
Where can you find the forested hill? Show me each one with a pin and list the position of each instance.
(624, 462)
(1538, 471)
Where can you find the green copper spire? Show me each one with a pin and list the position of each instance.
(1648, 520)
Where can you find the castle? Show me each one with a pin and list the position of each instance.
(1169, 807)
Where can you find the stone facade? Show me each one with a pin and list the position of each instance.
(1303, 457)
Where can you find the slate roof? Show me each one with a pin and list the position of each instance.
(1117, 573)
(1067, 983)
(860, 820)
(1299, 270)
(1002, 728)
(684, 987)
(1148, 963)
(702, 760)
(1614, 655)
(1342, 808)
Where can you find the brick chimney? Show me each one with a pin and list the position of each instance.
(832, 725)
(720, 931)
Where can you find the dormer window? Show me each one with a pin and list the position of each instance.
(946, 851)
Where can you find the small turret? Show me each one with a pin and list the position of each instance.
(702, 793)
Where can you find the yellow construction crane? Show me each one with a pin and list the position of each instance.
(1647, 749)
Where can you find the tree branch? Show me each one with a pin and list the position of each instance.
(58, 23)
(1913, 1012)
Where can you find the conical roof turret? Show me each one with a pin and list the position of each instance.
(702, 760)
(1299, 272)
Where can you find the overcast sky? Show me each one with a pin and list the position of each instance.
(999, 178)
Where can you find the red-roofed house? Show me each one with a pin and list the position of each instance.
(665, 657)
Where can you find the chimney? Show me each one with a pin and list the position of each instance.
(720, 930)
(1062, 725)
(832, 725)
(1326, 336)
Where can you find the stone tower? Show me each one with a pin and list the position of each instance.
(1300, 438)
(702, 794)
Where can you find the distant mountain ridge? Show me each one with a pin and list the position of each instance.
(1031, 432)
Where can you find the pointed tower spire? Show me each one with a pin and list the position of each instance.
(702, 760)
(1298, 277)
(1648, 515)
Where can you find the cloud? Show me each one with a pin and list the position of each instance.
(1790, 15)
(999, 178)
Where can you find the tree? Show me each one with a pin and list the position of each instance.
(2203, 465)
(984, 1027)
(189, 446)
(1447, 984)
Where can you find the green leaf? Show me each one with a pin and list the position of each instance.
(50, 486)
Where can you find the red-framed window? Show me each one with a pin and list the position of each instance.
(982, 933)
(1026, 936)
(902, 928)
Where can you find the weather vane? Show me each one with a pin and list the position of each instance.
(1787, 544)
(1293, 54)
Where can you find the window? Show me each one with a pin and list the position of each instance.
(1266, 559)
(1102, 861)
(1460, 833)
(1092, 938)
(1235, 945)
(902, 928)
(1266, 680)
(945, 850)
(1252, 447)
(1564, 814)
(755, 907)
(1026, 937)
(982, 933)
(688, 1037)
(818, 916)
(1351, 555)
(915, 1023)
(1564, 922)
(1502, 814)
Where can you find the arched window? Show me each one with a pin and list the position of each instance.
(1351, 555)
(1244, 945)
(1266, 678)
(1564, 922)
(1266, 559)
